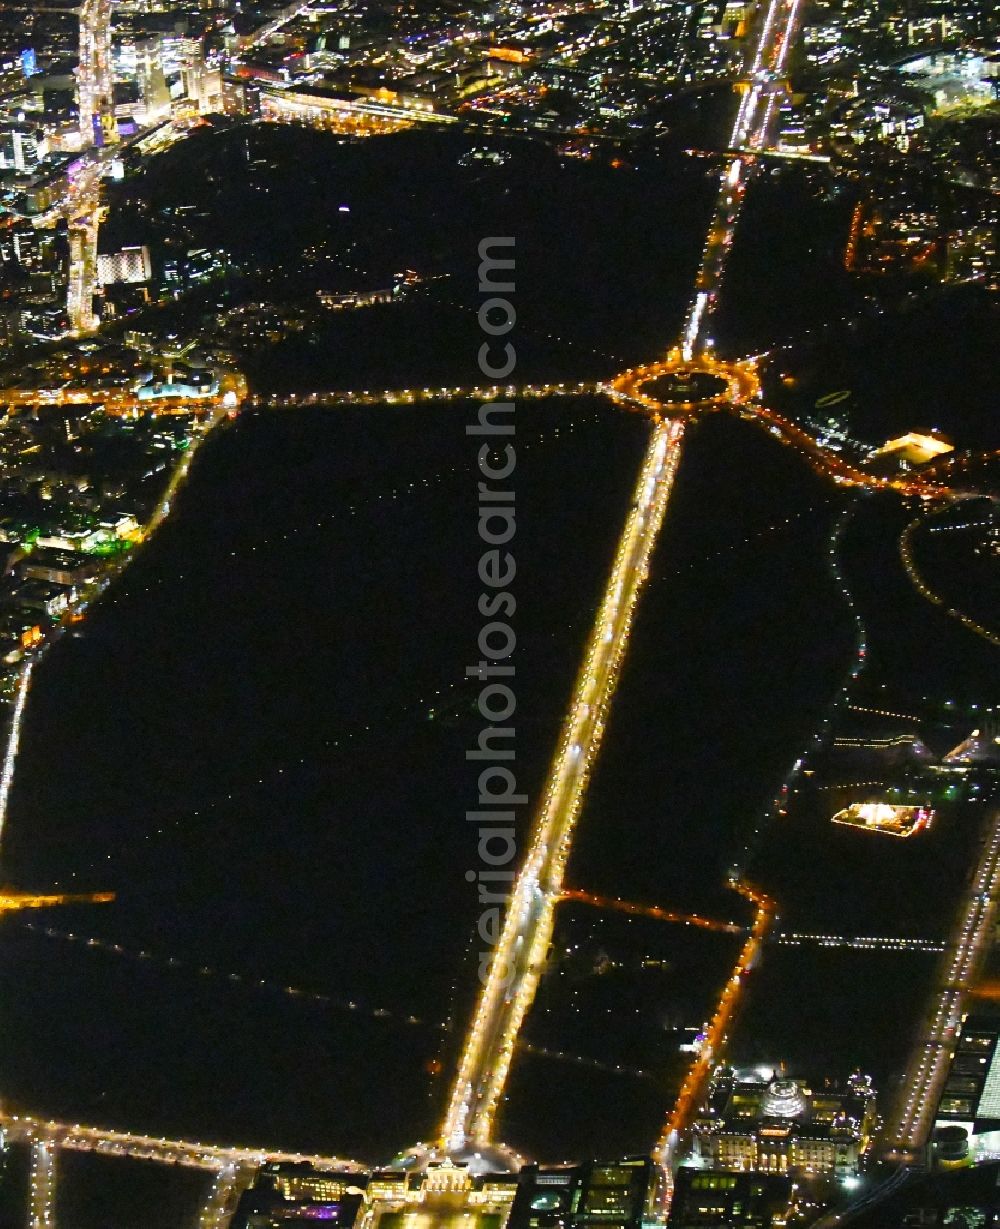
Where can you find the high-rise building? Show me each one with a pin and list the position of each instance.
(203, 86)
(22, 147)
(152, 79)
(26, 150)
(179, 51)
(27, 246)
(11, 329)
(131, 264)
(234, 97)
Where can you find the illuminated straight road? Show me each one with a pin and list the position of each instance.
(521, 952)
(19, 1128)
(741, 395)
(180, 473)
(94, 80)
(42, 1188)
(908, 1130)
(419, 395)
(82, 285)
(287, 15)
(13, 741)
(659, 914)
(128, 401)
(81, 204)
(716, 1032)
(774, 23)
(523, 945)
(861, 943)
(81, 207)
(219, 1208)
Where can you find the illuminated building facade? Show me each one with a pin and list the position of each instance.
(712, 1197)
(764, 1124)
(71, 569)
(152, 80)
(131, 264)
(203, 86)
(914, 448)
(22, 147)
(890, 819)
(963, 1198)
(618, 1194)
(290, 1194)
(444, 1196)
(971, 1095)
(980, 750)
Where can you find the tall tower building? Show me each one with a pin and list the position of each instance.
(204, 86)
(152, 80)
(26, 153)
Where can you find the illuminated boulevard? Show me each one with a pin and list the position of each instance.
(717, 1032)
(522, 949)
(127, 402)
(234, 1168)
(523, 945)
(80, 205)
(634, 389)
(659, 914)
(80, 1138)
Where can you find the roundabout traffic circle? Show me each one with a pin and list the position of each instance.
(684, 387)
(679, 385)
